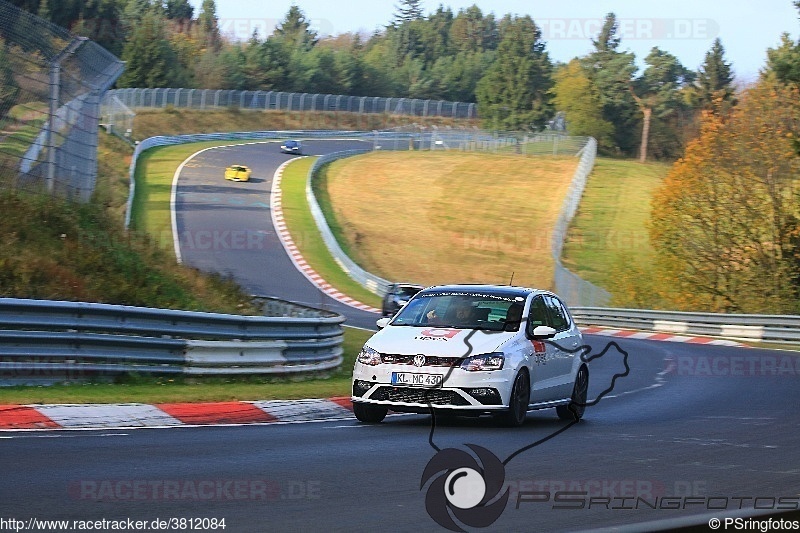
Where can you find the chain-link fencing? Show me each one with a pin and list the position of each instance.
(51, 86)
(119, 104)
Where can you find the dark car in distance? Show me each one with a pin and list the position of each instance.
(398, 295)
(292, 147)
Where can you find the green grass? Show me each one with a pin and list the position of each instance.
(151, 211)
(166, 390)
(542, 147)
(18, 142)
(306, 235)
(608, 242)
(69, 251)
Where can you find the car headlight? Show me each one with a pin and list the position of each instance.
(489, 361)
(368, 356)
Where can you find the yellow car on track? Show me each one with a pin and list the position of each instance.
(237, 173)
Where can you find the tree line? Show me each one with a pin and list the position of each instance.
(726, 221)
(502, 63)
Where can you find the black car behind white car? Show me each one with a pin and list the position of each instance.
(397, 296)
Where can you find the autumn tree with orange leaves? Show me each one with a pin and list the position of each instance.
(725, 221)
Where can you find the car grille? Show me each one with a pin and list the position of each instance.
(418, 395)
(430, 360)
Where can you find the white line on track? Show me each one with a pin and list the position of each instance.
(174, 194)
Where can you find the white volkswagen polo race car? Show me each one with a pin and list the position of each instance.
(472, 350)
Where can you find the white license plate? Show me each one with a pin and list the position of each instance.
(410, 379)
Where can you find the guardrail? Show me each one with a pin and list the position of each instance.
(574, 289)
(170, 140)
(370, 281)
(46, 341)
(766, 328)
(585, 147)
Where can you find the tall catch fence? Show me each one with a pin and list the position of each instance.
(51, 86)
(120, 102)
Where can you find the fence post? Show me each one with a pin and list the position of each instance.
(53, 101)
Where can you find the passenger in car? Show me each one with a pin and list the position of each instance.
(459, 314)
(513, 317)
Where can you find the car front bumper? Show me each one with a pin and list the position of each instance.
(482, 391)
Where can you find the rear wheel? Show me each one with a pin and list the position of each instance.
(518, 403)
(369, 414)
(574, 410)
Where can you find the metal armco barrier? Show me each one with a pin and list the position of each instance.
(170, 140)
(368, 280)
(570, 286)
(45, 341)
(766, 328)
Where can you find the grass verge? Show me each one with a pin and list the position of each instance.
(166, 390)
(608, 242)
(449, 217)
(306, 235)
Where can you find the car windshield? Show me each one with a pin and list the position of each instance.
(462, 310)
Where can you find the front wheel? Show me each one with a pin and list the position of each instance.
(574, 410)
(518, 403)
(369, 414)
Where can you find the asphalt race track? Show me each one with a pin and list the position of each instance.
(691, 430)
(679, 425)
(226, 226)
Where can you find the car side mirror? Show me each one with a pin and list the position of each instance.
(543, 332)
(382, 322)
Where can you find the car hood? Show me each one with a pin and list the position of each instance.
(442, 342)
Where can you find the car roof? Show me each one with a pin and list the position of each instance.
(506, 291)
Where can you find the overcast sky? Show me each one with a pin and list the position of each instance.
(685, 28)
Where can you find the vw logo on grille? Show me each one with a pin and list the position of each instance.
(419, 360)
